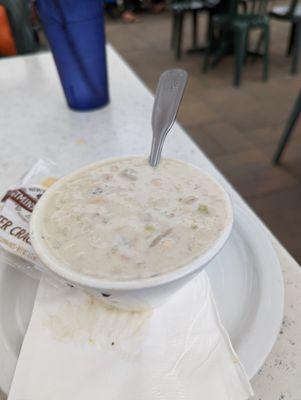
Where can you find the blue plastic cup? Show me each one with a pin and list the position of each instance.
(75, 32)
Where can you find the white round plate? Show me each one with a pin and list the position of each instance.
(247, 283)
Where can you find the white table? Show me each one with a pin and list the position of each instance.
(35, 123)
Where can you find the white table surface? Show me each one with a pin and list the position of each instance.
(35, 123)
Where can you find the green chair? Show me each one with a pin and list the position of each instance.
(18, 12)
(181, 8)
(288, 129)
(291, 13)
(239, 24)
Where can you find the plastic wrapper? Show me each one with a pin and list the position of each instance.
(16, 207)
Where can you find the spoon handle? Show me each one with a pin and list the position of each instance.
(168, 97)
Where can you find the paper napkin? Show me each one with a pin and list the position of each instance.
(78, 348)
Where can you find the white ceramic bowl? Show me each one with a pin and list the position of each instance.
(137, 294)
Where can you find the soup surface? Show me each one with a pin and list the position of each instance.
(123, 219)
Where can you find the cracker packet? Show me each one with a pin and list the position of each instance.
(16, 207)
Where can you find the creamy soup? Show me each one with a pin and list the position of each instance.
(123, 219)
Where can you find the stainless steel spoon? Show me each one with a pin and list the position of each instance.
(168, 97)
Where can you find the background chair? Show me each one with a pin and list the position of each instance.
(254, 15)
(181, 8)
(292, 14)
(288, 129)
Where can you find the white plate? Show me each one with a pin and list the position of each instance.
(247, 282)
(246, 279)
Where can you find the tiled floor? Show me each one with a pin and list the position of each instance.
(237, 128)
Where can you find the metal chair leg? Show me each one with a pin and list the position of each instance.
(266, 53)
(178, 36)
(194, 29)
(247, 48)
(296, 49)
(209, 30)
(210, 38)
(173, 31)
(288, 129)
(240, 53)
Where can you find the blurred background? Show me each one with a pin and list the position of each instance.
(243, 60)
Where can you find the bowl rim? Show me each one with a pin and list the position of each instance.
(81, 279)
